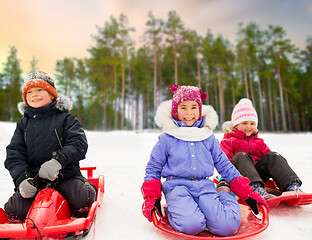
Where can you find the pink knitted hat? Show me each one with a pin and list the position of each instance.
(244, 111)
(186, 93)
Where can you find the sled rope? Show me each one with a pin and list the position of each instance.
(35, 227)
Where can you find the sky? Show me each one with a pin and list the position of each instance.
(50, 30)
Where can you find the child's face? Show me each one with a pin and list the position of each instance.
(188, 112)
(249, 127)
(38, 97)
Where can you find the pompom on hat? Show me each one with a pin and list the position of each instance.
(186, 93)
(244, 111)
(39, 79)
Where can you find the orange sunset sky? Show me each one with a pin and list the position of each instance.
(50, 30)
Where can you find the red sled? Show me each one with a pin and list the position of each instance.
(49, 216)
(250, 225)
(292, 198)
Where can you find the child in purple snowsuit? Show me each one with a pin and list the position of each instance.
(186, 155)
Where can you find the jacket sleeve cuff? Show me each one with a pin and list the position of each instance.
(60, 157)
(21, 178)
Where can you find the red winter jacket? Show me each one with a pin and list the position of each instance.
(237, 141)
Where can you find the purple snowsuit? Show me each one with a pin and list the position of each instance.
(187, 157)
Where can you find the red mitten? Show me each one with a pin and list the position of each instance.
(151, 191)
(240, 187)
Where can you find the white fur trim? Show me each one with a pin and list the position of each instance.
(164, 121)
(212, 118)
(162, 117)
(21, 106)
(227, 127)
(63, 103)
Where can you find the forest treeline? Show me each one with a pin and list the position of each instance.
(119, 86)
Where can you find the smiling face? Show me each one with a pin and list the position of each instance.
(38, 97)
(188, 112)
(249, 127)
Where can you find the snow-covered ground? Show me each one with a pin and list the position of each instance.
(121, 156)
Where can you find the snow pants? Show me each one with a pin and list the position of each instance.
(80, 194)
(272, 165)
(195, 205)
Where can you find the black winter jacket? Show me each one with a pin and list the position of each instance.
(41, 132)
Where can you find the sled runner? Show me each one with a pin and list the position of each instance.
(250, 225)
(49, 216)
(292, 198)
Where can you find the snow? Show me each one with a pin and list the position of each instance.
(121, 156)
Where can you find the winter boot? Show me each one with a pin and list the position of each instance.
(223, 186)
(294, 186)
(258, 188)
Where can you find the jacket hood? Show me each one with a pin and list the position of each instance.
(63, 103)
(227, 127)
(164, 121)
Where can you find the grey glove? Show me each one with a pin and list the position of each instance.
(26, 189)
(50, 169)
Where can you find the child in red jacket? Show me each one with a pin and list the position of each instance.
(251, 156)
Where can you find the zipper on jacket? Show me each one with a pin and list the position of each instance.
(58, 138)
(248, 143)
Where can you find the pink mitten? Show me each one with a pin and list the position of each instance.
(151, 191)
(240, 187)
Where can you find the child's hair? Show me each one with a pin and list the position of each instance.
(244, 111)
(186, 93)
(39, 79)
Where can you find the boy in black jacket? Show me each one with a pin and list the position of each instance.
(47, 141)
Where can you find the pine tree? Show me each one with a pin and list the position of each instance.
(154, 33)
(12, 82)
(174, 28)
